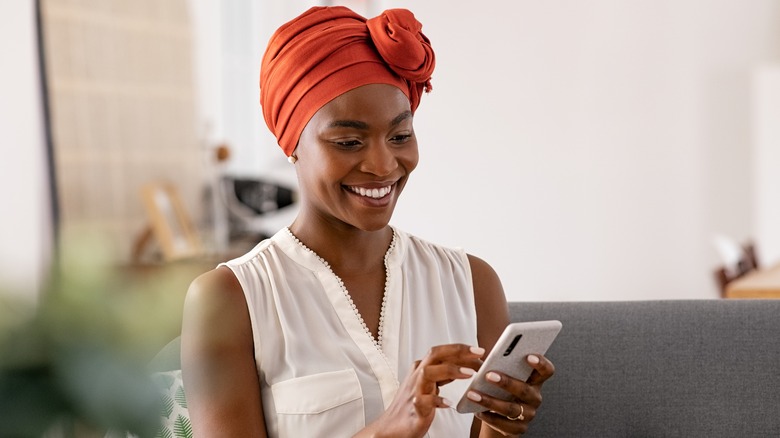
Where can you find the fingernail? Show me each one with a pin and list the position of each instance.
(533, 360)
(493, 377)
(477, 350)
(467, 371)
(473, 396)
(446, 402)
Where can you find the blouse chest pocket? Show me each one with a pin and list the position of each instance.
(325, 404)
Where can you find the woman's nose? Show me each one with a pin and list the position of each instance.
(379, 160)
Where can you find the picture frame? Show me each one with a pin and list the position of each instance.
(169, 222)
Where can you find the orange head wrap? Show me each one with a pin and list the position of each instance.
(327, 51)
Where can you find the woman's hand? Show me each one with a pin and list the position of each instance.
(414, 405)
(512, 417)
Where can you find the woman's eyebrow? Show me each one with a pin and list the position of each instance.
(401, 117)
(348, 124)
(357, 124)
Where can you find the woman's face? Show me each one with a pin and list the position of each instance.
(355, 155)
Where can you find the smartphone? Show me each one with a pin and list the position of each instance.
(518, 340)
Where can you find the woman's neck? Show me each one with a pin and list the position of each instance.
(346, 249)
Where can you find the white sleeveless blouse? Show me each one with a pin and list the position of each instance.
(321, 372)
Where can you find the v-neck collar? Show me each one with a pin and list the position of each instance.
(383, 358)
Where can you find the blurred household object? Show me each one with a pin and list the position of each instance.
(169, 224)
(759, 283)
(736, 261)
(257, 208)
(246, 208)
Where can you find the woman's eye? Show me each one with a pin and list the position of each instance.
(403, 138)
(347, 144)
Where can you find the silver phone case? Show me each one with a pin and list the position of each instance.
(535, 337)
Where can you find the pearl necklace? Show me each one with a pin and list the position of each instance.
(377, 341)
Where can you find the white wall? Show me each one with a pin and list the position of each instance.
(766, 161)
(25, 238)
(589, 149)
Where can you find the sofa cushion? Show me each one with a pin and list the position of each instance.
(677, 368)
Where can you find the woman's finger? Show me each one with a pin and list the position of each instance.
(462, 354)
(512, 410)
(433, 376)
(520, 390)
(445, 372)
(543, 369)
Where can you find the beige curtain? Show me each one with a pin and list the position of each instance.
(121, 93)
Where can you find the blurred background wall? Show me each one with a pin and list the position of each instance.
(122, 108)
(25, 226)
(587, 150)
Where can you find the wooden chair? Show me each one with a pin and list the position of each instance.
(748, 262)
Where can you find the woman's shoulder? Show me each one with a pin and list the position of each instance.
(215, 297)
(263, 247)
(416, 243)
(217, 281)
(483, 273)
(480, 268)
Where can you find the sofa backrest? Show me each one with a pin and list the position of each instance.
(677, 368)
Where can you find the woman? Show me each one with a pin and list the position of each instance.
(340, 324)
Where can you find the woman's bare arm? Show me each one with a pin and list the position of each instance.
(491, 308)
(490, 302)
(218, 364)
(492, 318)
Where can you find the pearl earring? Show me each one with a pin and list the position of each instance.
(292, 159)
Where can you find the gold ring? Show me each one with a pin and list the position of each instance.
(519, 416)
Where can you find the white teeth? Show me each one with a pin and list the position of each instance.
(371, 193)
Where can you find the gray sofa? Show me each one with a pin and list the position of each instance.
(699, 368)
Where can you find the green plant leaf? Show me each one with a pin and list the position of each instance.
(164, 432)
(182, 427)
(167, 406)
(180, 398)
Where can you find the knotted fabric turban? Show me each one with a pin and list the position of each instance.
(327, 51)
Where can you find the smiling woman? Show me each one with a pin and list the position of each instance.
(342, 324)
(353, 161)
